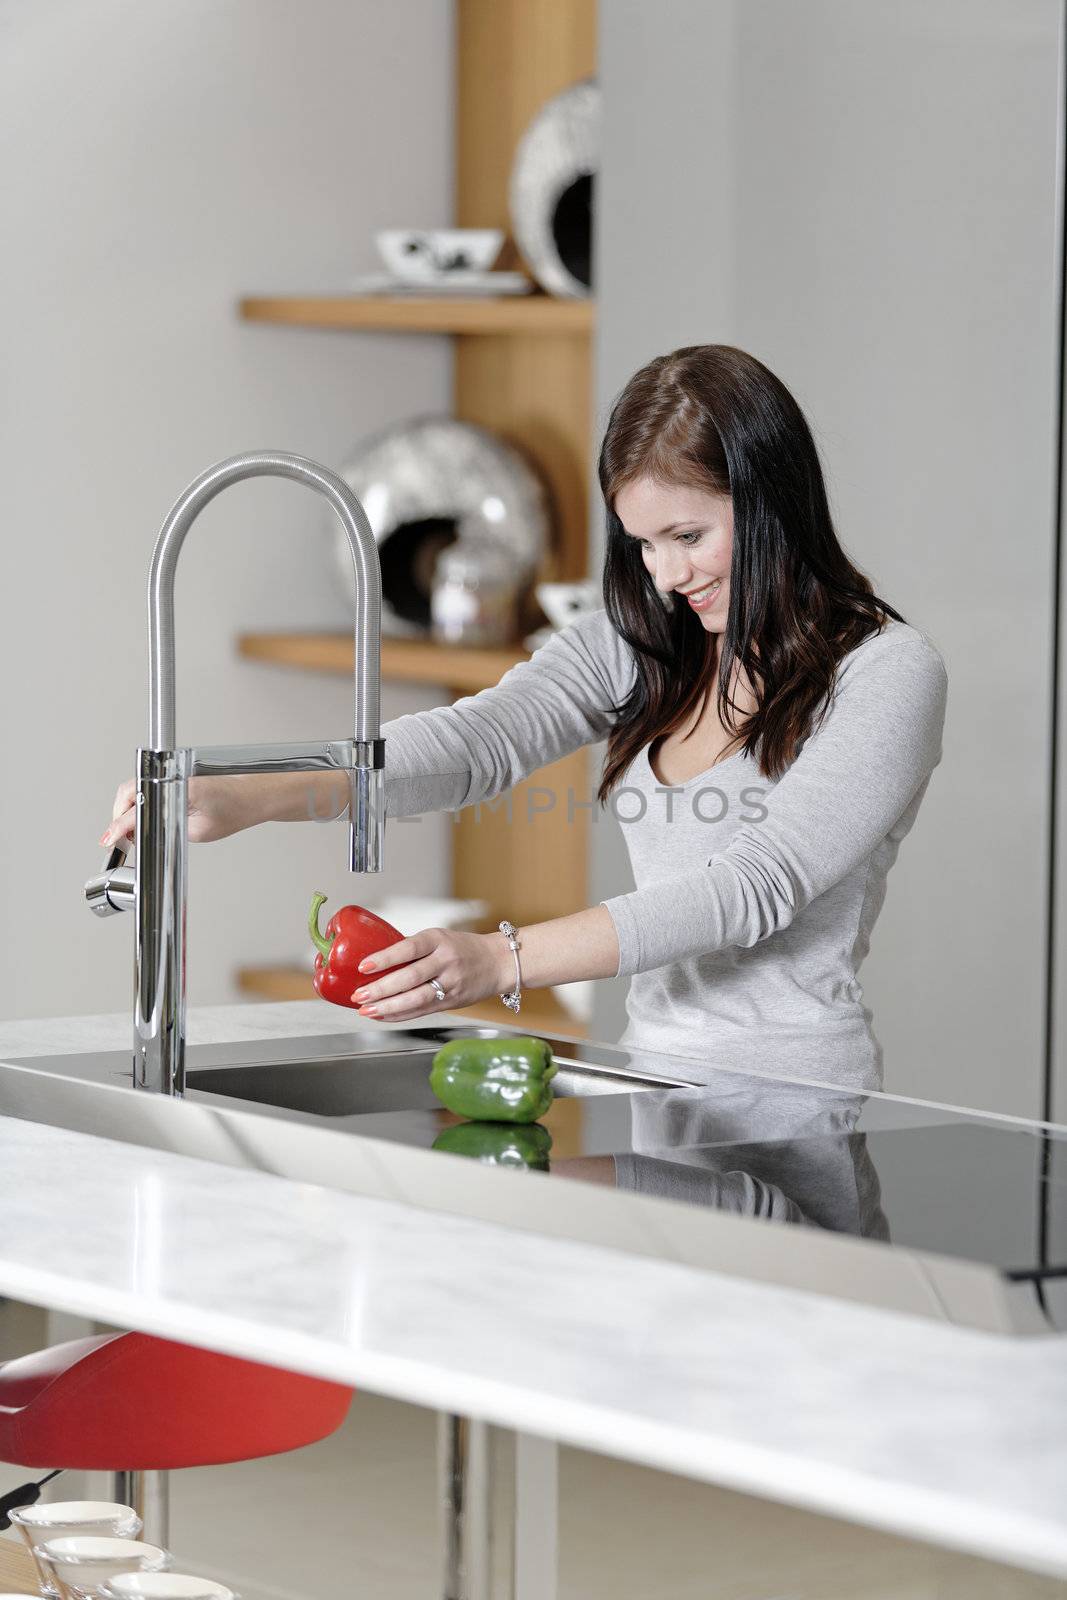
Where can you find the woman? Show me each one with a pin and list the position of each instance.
(771, 729)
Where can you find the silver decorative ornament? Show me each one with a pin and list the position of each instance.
(429, 481)
(551, 191)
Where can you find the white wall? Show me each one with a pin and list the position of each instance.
(158, 161)
(865, 198)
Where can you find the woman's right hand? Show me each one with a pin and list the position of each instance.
(217, 808)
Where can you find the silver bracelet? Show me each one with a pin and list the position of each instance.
(511, 934)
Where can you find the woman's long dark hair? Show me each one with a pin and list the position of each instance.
(713, 418)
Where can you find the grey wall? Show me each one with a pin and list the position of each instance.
(865, 198)
(157, 163)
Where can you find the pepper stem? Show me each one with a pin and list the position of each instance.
(322, 944)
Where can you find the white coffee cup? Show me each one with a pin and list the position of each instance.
(82, 1564)
(63, 1519)
(421, 255)
(163, 1586)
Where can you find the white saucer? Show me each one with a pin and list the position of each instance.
(447, 283)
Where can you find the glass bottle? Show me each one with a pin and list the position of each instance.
(475, 589)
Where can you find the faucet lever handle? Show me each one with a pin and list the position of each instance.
(114, 888)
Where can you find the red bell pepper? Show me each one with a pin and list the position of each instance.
(351, 933)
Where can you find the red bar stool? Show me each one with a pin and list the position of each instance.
(137, 1406)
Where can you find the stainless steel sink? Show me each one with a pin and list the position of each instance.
(397, 1080)
(386, 1079)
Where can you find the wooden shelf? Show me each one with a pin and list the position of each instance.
(403, 660)
(532, 313)
(540, 1008)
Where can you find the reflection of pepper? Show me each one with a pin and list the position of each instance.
(497, 1144)
(494, 1080)
(351, 933)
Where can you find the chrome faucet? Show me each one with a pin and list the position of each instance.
(156, 887)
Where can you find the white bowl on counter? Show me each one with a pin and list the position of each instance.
(164, 1586)
(65, 1519)
(81, 1565)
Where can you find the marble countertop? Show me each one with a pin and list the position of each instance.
(927, 1430)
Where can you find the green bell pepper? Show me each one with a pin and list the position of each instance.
(498, 1145)
(494, 1080)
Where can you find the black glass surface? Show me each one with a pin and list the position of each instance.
(975, 1188)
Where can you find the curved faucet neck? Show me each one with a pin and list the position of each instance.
(366, 574)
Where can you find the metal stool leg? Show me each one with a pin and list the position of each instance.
(148, 1494)
(465, 1489)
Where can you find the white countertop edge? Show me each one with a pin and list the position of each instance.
(943, 1520)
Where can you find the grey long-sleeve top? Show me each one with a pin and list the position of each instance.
(755, 900)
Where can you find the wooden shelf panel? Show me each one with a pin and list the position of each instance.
(532, 313)
(403, 660)
(540, 1008)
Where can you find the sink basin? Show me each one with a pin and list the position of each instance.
(381, 1080)
(395, 1080)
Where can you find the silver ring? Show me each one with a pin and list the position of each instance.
(437, 989)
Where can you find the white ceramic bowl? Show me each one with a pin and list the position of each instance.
(64, 1519)
(85, 1562)
(419, 254)
(163, 1586)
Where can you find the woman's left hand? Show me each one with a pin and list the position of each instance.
(468, 966)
